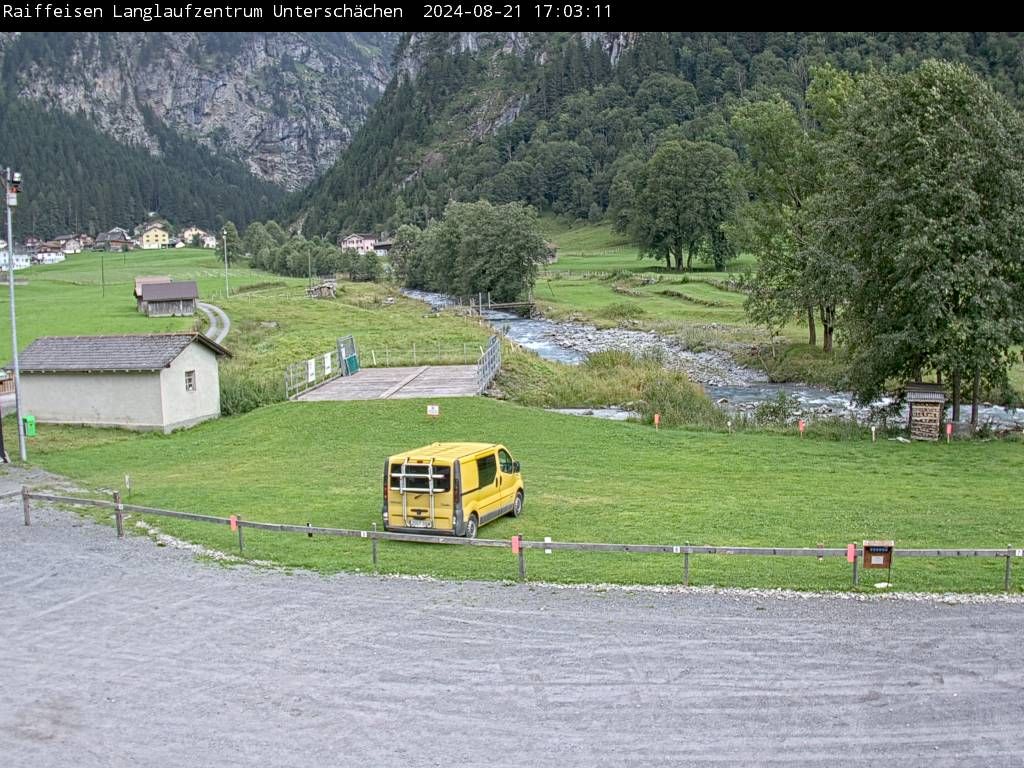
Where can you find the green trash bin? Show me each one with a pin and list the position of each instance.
(351, 364)
(30, 425)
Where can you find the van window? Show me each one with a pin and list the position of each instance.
(505, 461)
(416, 477)
(487, 468)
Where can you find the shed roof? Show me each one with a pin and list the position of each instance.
(138, 352)
(186, 289)
(144, 279)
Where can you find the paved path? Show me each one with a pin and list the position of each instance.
(399, 383)
(122, 653)
(220, 323)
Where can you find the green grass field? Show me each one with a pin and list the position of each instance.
(91, 293)
(597, 248)
(586, 480)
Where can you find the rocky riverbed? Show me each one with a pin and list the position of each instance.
(714, 368)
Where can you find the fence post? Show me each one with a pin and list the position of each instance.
(25, 504)
(1006, 575)
(856, 558)
(119, 514)
(686, 566)
(522, 557)
(241, 539)
(414, 353)
(373, 542)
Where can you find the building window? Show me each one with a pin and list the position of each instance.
(190, 381)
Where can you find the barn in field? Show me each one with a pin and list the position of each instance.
(169, 299)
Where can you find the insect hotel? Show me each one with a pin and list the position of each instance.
(927, 403)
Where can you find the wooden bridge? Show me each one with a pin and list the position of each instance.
(399, 383)
(322, 378)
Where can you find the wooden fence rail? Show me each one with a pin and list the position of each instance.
(517, 543)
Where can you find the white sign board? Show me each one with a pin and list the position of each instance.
(311, 370)
(433, 410)
(327, 364)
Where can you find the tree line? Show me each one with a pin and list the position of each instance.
(560, 123)
(889, 208)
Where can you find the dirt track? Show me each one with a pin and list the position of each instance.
(118, 653)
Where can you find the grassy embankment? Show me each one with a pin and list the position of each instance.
(587, 480)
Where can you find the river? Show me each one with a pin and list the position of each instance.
(734, 388)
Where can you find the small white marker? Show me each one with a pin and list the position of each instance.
(1020, 553)
(547, 540)
(676, 550)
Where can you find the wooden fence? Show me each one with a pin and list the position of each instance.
(517, 544)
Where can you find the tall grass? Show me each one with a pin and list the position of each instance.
(609, 378)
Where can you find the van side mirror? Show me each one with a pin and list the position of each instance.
(515, 466)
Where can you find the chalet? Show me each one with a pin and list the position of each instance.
(161, 381)
(154, 235)
(169, 299)
(68, 244)
(143, 280)
(50, 252)
(363, 244)
(116, 239)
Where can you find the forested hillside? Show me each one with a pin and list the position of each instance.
(198, 127)
(79, 180)
(553, 119)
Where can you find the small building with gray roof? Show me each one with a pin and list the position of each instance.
(161, 381)
(169, 299)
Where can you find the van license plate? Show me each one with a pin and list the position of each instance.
(419, 523)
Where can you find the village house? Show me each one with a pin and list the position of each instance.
(169, 299)
(206, 240)
(50, 252)
(21, 261)
(68, 244)
(159, 381)
(116, 239)
(363, 244)
(154, 236)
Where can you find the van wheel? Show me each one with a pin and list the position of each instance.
(471, 525)
(517, 505)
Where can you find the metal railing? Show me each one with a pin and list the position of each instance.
(853, 553)
(489, 364)
(422, 354)
(306, 374)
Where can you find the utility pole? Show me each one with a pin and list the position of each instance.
(225, 234)
(12, 185)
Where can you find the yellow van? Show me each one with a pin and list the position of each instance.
(450, 488)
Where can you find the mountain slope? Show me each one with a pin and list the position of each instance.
(282, 104)
(553, 118)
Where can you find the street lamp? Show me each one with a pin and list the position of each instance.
(225, 237)
(12, 186)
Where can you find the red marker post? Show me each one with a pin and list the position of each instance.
(657, 420)
(949, 430)
(802, 425)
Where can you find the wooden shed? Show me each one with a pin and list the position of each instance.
(170, 299)
(147, 280)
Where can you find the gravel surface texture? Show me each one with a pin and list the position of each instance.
(126, 653)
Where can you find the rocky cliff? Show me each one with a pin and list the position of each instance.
(283, 104)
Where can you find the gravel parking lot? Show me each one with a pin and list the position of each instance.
(123, 653)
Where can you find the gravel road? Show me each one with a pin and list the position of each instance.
(220, 323)
(123, 653)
